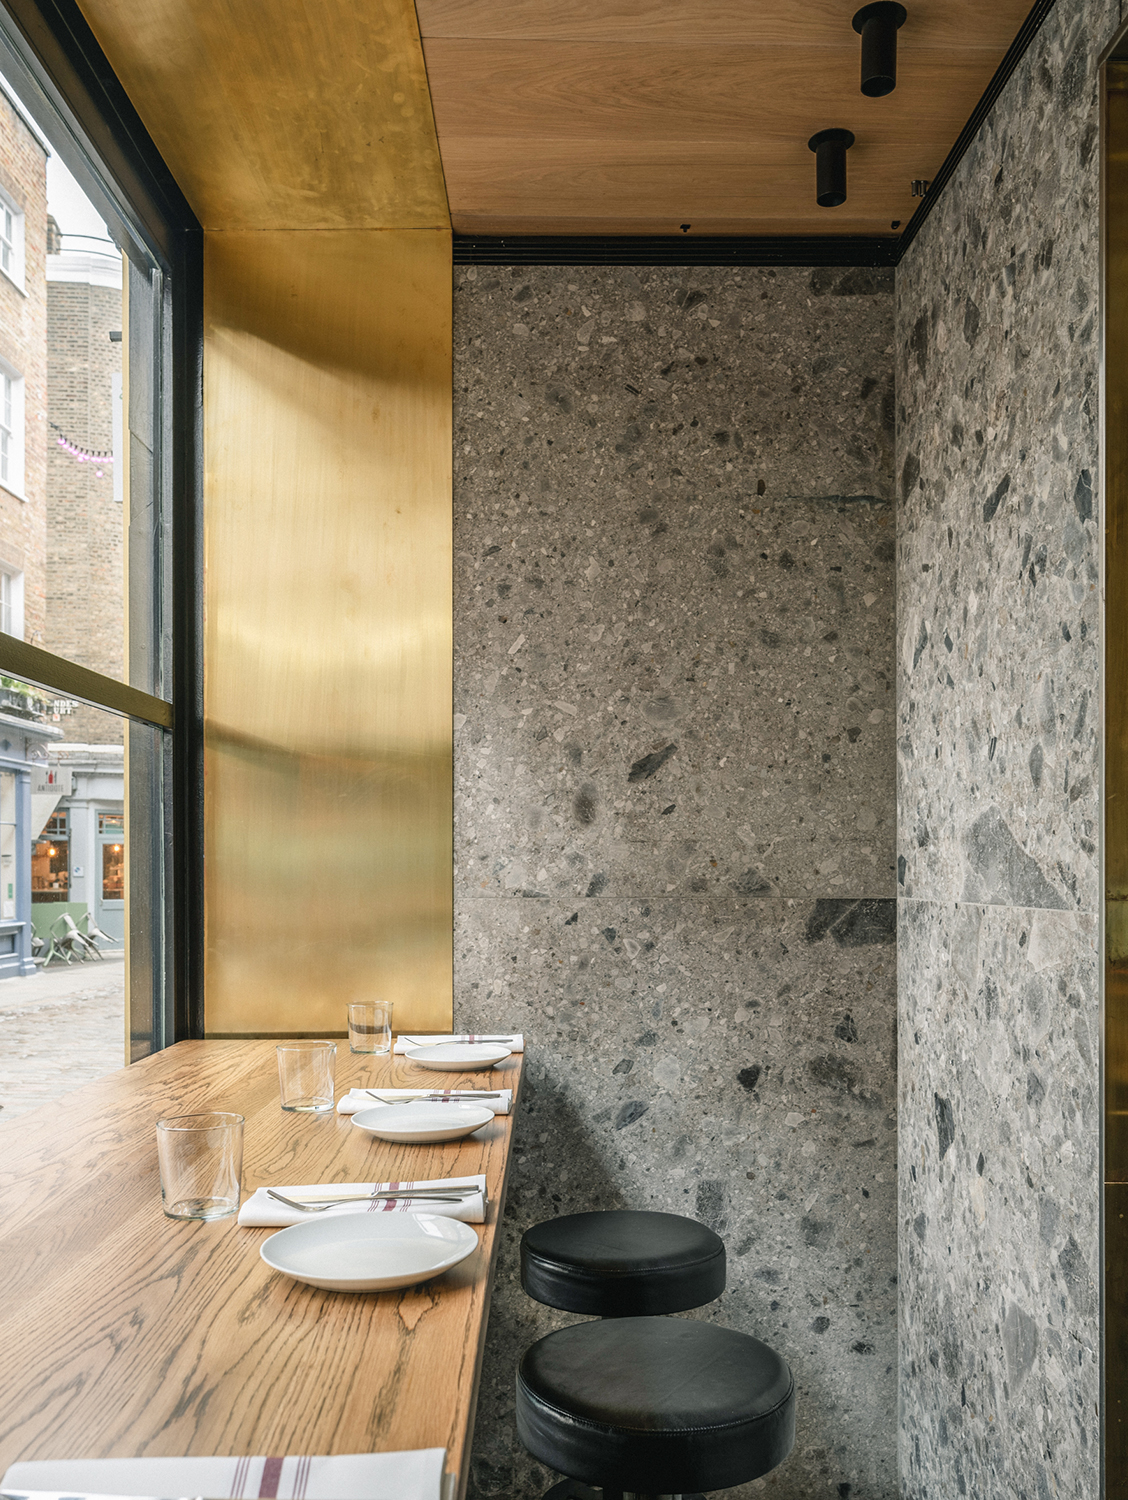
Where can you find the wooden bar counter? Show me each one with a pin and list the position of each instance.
(127, 1333)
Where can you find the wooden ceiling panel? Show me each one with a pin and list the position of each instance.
(815, 23)
(638, 116)
(716, 191)
(689, 94)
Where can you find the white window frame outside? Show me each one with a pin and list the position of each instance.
(11, 603)
(13, 243)
(12, 426)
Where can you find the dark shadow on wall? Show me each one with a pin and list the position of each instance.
(500, 1466)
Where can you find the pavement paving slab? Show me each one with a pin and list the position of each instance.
(59, 1028)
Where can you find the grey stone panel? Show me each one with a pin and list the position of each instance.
(998, 537)
(999, 1117)
(732, 1060)
(998, 795)
(674, 783)
(730, 730)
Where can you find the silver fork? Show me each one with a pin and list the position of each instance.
(455, 1195)
(457, 1096)
(459, 1041)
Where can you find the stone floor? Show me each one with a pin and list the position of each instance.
(59, 1029)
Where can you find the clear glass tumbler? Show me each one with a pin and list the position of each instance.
(201, 1162)
(305, 1076)
(370, 1026)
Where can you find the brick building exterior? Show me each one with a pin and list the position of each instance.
(23, 370)
(85, 538)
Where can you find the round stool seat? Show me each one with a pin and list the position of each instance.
(622, 1263)
(655, 1404)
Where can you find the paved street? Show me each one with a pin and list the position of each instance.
(58, 1029)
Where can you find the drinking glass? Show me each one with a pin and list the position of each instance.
(201, 1162)
(305, 1076)
(370, 1027)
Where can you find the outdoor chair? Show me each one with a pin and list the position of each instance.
(66, 942)
(91, 935)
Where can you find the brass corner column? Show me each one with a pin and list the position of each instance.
(305, 142)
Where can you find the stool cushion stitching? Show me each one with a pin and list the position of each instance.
(633, 1270)
(611, 1427)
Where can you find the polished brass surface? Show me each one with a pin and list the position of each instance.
(1115, 1301)
(296, 115)
(327, 367)
(69, 680)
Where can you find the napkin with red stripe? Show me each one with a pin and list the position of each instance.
(263, 1212)
(416, 1475)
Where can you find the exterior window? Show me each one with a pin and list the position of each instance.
(11, 432)
(50, 863)
(113, 872)
(11, 603)
(11, 242)
(90, 460)
(7, 245)
(8, 871)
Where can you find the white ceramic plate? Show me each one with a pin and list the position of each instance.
(423, 1122)
(458, 1057)
(368, 1252)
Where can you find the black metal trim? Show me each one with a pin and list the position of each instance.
(70, 68)
(61, 62)
(187, 913)
(1014, 55)
(673, 250)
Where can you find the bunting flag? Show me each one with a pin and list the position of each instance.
(83, 455)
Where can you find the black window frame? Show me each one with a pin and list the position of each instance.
(53, 60)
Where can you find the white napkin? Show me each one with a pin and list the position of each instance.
(515, 1043)
(415, 1475)
(261, 1211)
(357, 1099)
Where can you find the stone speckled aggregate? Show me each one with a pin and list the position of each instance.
(998, 795)
(998, 1207)
(674, 761)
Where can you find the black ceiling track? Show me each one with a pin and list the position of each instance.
(673, 250)
(1015, 53)
(725, 250)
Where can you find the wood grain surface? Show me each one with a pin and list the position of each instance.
(636, 116)
(764, 23)
(129, 1334)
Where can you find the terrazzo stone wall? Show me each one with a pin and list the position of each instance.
(998, 783)
(674, 862)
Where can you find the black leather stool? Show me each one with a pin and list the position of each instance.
(622, 1263)
(654, 1406)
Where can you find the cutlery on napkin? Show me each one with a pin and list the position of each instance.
(261, 1211)
(515, 1042)
(413, 1475)
(500, 1101)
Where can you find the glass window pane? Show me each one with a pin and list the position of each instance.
(113, 872)
(81, 825)
(85, 468)
(7, 855)
(81, 435)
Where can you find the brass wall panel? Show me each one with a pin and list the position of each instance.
(303, 114)
(327, 368)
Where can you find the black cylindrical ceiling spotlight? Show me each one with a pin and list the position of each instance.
(830, 148)
(879, 24)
